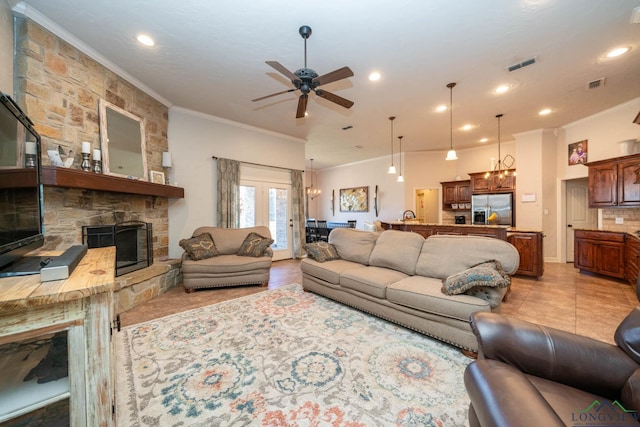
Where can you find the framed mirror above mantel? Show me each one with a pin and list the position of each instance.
(122, 141)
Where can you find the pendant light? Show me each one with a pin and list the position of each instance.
(392, 168)
(497, 169)
(313, 192)
(451, 154)
(400, 177)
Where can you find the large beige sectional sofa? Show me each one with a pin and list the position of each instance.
(398, 276)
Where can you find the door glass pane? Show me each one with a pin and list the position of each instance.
(278, 221)
(247, 206)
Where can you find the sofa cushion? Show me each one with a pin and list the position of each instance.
(398, 250)
(229, 240)
(424, 294)
(488, 274)
(370, 280)
(254, 245)
(627, 335)
(200, 247)
(321, 251)
(442, 256)
(225, 264)
(328, 271)
(353, 245)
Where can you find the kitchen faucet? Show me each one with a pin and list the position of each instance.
(408, 214)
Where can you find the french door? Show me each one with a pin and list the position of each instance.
(269, 204)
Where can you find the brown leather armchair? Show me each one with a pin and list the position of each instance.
(531, 375)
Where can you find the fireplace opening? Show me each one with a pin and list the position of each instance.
(133, 241)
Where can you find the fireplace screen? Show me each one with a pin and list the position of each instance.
(133, 241)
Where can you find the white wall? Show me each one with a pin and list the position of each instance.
(194, 138)
(361, 174)
(6, 49)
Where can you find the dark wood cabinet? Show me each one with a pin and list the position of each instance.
(480, 183)
(529, 246)
(600, 252)
(612, 182)
(455, 193)
(632, 255)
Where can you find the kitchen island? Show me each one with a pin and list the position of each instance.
(429, 229)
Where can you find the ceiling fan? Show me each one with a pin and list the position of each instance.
(307, 80)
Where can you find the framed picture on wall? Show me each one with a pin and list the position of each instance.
(578, 153)
(354, 199)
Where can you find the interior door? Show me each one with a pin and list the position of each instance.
(579, 216)
(268, 204)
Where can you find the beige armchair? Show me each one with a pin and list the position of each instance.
(232, 257)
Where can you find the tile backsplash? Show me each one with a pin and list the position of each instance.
(630, 219)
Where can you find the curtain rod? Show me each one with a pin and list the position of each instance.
(259, 164)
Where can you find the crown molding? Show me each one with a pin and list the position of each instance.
(24, 10)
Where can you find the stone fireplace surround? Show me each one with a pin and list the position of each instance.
(74, 199)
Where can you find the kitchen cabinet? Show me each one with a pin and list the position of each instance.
(601, 252)
(632, 254)
(529, 246)
(493, 184)
(612, 182)
(455, 193)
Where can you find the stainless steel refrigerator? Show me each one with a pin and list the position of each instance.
(483, 206)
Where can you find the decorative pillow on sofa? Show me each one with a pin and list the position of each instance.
(321, 251)
(488, 273)
(254, 245)
(200, 247)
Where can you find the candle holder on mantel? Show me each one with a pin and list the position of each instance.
(97, 161)
(86, 164)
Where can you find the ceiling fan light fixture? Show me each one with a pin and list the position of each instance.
(451, 154)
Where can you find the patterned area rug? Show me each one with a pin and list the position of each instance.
(285, 358)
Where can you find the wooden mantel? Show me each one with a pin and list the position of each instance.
(53, 176)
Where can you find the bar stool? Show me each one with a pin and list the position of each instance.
(312, 231)
(352, 223)
(323, 231)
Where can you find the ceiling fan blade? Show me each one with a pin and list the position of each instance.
(279, 67)
(334, 98)
(339, 74)
(302, 106)
(273, 94)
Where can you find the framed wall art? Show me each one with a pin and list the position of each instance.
(354, 199)
(156, 177)
(578, 153)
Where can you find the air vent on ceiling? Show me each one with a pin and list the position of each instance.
(522, 64)
(596, 84)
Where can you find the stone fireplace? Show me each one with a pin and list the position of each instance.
(133, 241)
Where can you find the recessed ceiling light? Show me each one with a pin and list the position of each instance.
(484, 140)
(441, 108)
(145, 40)
(619, 51)
(375, 76)
(544, 111)
(502, 89)
(467, 127)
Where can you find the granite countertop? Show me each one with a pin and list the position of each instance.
(433, 224)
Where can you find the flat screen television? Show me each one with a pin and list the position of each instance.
(21, 201)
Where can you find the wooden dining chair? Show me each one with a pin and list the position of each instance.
(312, 231)
(323, 231)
